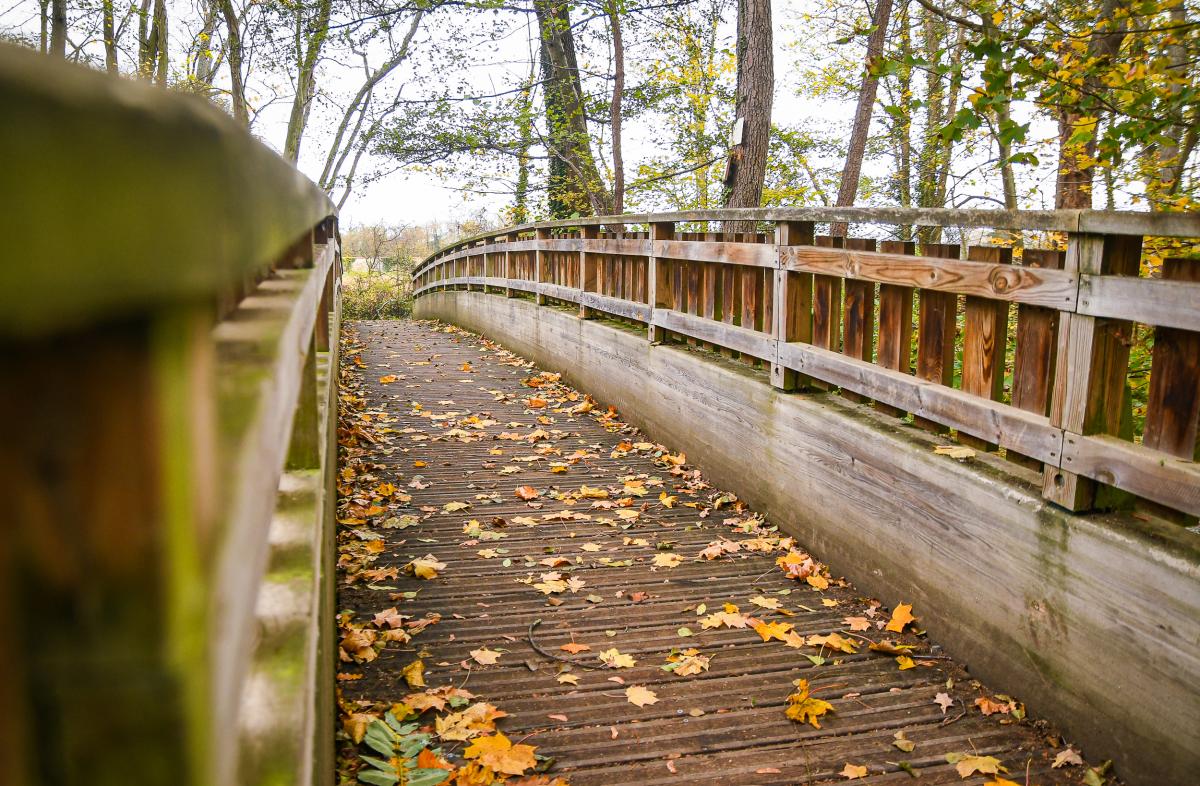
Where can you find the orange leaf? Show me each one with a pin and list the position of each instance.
(901, 616)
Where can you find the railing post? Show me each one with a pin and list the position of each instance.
(657, 279)
(587, 269)
(508, 271)
(539, 264)
(793, 299)
(1089, 395)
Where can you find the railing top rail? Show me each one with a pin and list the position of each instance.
(1090, 221)
(117, 194)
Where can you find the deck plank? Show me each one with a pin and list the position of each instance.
(723, 726)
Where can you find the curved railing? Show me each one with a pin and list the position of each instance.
(169, 316)
(1026, 350)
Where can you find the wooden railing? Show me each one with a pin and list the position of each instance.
(1021, 349)
(169, 304)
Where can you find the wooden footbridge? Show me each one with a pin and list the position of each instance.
(650, 502)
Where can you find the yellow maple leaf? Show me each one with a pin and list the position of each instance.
(501, 755)
(803, 708)
(414, 674)
(667, 560)
(615, 659)
(388, 379)
(484, 656)
(772, 630)
(426, 567)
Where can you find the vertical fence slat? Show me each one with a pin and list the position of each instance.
(1033, 358)
(1173, 406)
(935, 331)
(985, 335)
(1093, 358)
(858, 308)
(793, 301)
(895, 322)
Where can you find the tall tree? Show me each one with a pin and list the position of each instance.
(110, 38)
(311, 32)
(574, 186)
(618, 94)
(857, 148)
(755, 95)
(58, 28)
(233, 47)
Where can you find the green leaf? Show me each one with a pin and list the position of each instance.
(377, 778)
(427, 777)
(379, 764)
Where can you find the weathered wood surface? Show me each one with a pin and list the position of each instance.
(723, 726)
(1073, 320)
(1043, 596)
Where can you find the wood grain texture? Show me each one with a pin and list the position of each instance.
(985, 336)
(1051, 288)
(936, 329)
(748, 342)
(1151, 301)
(1173, 405)
(858, 310)
(895, 322)
(1037, 339)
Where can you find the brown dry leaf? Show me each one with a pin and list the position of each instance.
(356, 725)
(527, 493)
(1067, 758)
(853, 771)
(901, 616)
(944, 701)
(568, 679)
(639, 696)
(857, 623)
(574, 648)
(485, 656)
(765, 602)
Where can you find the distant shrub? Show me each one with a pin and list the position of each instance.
(376, 296)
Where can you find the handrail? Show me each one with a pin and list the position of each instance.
(169, 317)
(117, 193)
(838, 313)
(1089, 221)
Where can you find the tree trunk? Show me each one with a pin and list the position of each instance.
(110, 39)
(1077, 135)
(575, 186)
(58, 28)
(852, 171)
(306, 72)
(755, 96)
(618, 190)
(233, 45)
(161, 32)
(44, 38)
(1165, 182)
(360, 104)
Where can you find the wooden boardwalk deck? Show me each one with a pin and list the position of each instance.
(453, 423)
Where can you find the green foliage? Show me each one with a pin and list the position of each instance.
(399, 744)
(376, 295)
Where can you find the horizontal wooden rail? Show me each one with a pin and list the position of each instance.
(1028, 356)
(169, 324)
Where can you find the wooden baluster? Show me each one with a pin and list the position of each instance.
(827, 307)
(1173, 406)
(858, 309)
(1033, 359)
(540, 264)
(895, 322)
(694, 294)
(710, 295)
(766, 277)
(658, 278)
(1089, 394)
(792, 294)
(936, 328)
(587, 269)
(985, 338)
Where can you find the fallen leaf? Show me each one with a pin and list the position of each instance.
(954, 451)
(853, 771)
(388, 379)
(485, 656)
(501, 755)
(613, 658)
(857, 623)
(1067, 758)
(667, 560)
(568, 679)
(640, 696)
(414, 674)
(527, 493)
(944, 701)
(803, 708)
(765, 602)
(574, 648)
(903, 743)
(558, 717)
(901, 616)
(968, 764)
(426, 567)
